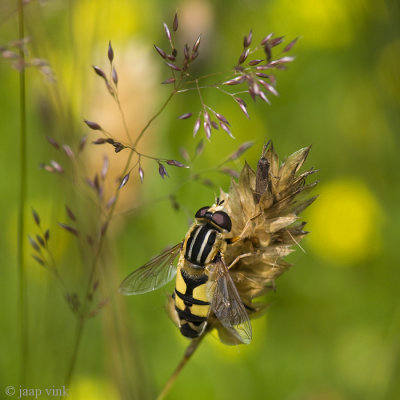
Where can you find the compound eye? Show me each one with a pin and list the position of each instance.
(202, 212)
(222, 219)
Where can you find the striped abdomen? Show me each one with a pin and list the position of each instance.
(191, 302)
(200, 245)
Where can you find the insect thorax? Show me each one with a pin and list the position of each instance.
(202, 244)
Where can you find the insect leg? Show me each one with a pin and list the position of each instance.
(239, 258)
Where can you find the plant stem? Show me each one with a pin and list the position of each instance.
(23, 310)
(186, 357)
(154, 117)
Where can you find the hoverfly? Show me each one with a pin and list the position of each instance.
(203, 283)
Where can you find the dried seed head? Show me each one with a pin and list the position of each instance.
(264, 208)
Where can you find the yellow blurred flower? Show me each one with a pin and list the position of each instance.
(93, 389)
(345, 222)
(329, 23)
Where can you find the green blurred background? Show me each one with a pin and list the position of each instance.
(332, 330)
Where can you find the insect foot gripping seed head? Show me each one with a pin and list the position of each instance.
(264, 206)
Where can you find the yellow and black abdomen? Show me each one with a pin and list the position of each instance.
(191, 302)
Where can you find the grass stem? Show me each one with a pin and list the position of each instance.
(186, 357)
(23, 310)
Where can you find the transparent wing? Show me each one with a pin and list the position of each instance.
(152, 275)
(228, 306)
